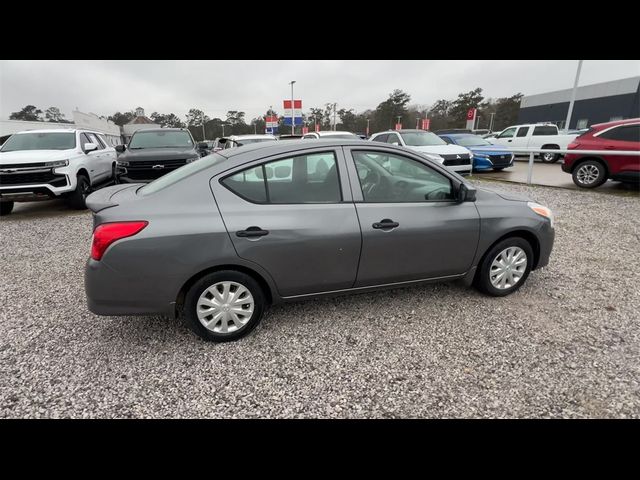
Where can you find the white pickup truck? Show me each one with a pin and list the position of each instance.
(62, 163)
(534, 136)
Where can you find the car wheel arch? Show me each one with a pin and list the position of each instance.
(525, 235)
(264, 284)
(83, 171)
(581, 160)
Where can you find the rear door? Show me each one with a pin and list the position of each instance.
(521, 139)
(623, 137)
(294, 216)
(412, 227)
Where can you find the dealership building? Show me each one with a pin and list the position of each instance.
(597, 103)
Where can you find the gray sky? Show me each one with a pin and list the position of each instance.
(216, 86)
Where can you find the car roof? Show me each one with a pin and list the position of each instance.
(327, 133)
(161, 130)
(617, 122)
(54, 130)
(456, 135)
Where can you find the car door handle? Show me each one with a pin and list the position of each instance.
(610, 147)
(386, 223)
(508, 140)
(252, 232)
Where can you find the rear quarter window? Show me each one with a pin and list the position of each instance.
(548, 130)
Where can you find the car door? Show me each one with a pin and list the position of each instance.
(623, 138)
(521, 139)
(505, 137)
(92, 160)
(412, 227)
(105, 158)
(294, 216)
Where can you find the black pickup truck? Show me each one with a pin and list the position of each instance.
(154, 152)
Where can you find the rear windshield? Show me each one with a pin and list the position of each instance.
(40, 141)
(472, 141)
(160, 140)
(180, 173)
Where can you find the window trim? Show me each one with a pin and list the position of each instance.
(263, 162)
(454, 183)
(616, 126)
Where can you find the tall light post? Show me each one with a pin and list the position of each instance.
(292, 109)
(367, 127)
(399, 117)
(491, 123)
(204, 135)
(573, 96)
(334, 116)
(417, 121)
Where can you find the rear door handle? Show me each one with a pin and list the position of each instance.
(252, 232)
(386, 223)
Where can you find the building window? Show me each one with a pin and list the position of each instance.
(582, 123)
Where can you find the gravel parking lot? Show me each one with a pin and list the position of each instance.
(566, 345)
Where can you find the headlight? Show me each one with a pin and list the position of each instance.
(192, 159)
(58, 163)
(481, 155)
(122, 163)
(541, 210)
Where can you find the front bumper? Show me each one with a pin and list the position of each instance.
(546, 239)
(35, 184)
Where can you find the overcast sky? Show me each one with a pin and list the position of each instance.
(216, 86)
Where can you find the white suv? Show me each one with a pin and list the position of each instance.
(44, 164)
(454, 157)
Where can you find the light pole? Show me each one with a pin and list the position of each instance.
(334, 116)
(417, 121)
(204, 135)
(367, 127)
(399, 117)
(573, 96)
(223, 124)
(292, 109)
(491, 123)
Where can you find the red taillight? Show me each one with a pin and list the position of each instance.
(107, 233)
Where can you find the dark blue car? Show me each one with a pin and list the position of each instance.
(485, 155)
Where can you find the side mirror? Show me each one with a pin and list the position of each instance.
(396, 144)
(202, 145)
(466, 193)
(120, 148)
(90, 147)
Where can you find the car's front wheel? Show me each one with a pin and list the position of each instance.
(589, 174)
(224, 306)
(77, 198)
(505, 267)
(6, 208)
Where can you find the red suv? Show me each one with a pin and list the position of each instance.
(590, 171)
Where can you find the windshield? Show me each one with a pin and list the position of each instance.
(422, 139)
(247, 141)
(40, 141)
(180, 173)
(471, 141)
(161, 140)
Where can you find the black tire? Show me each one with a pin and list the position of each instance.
(589, 174)
(6, 208)
(483, 278)
(549, 157)
(77, 198)
(114, 174)
(209, 280)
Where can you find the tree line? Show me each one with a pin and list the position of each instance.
(444, 113)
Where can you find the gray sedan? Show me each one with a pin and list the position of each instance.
(224, 237)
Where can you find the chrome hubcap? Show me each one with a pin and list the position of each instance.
(508, 268)
(588, 174)
(548, 156)
(225, 307)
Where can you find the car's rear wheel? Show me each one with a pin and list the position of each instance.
(549, 157)
(6, 208)
(505, 267)
(224, 306)
(589, 174)
(77, 198)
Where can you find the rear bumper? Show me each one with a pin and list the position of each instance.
(111, 293)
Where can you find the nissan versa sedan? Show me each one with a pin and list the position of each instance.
(221, 239)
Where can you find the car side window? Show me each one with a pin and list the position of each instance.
(522, 132)
(392, 178)
(309, 136)
(508, 133)
(84, 138)
(539, 131)
(381, 138)
(393, 137)
(95, 139)
(624, 133)
(311, 178)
